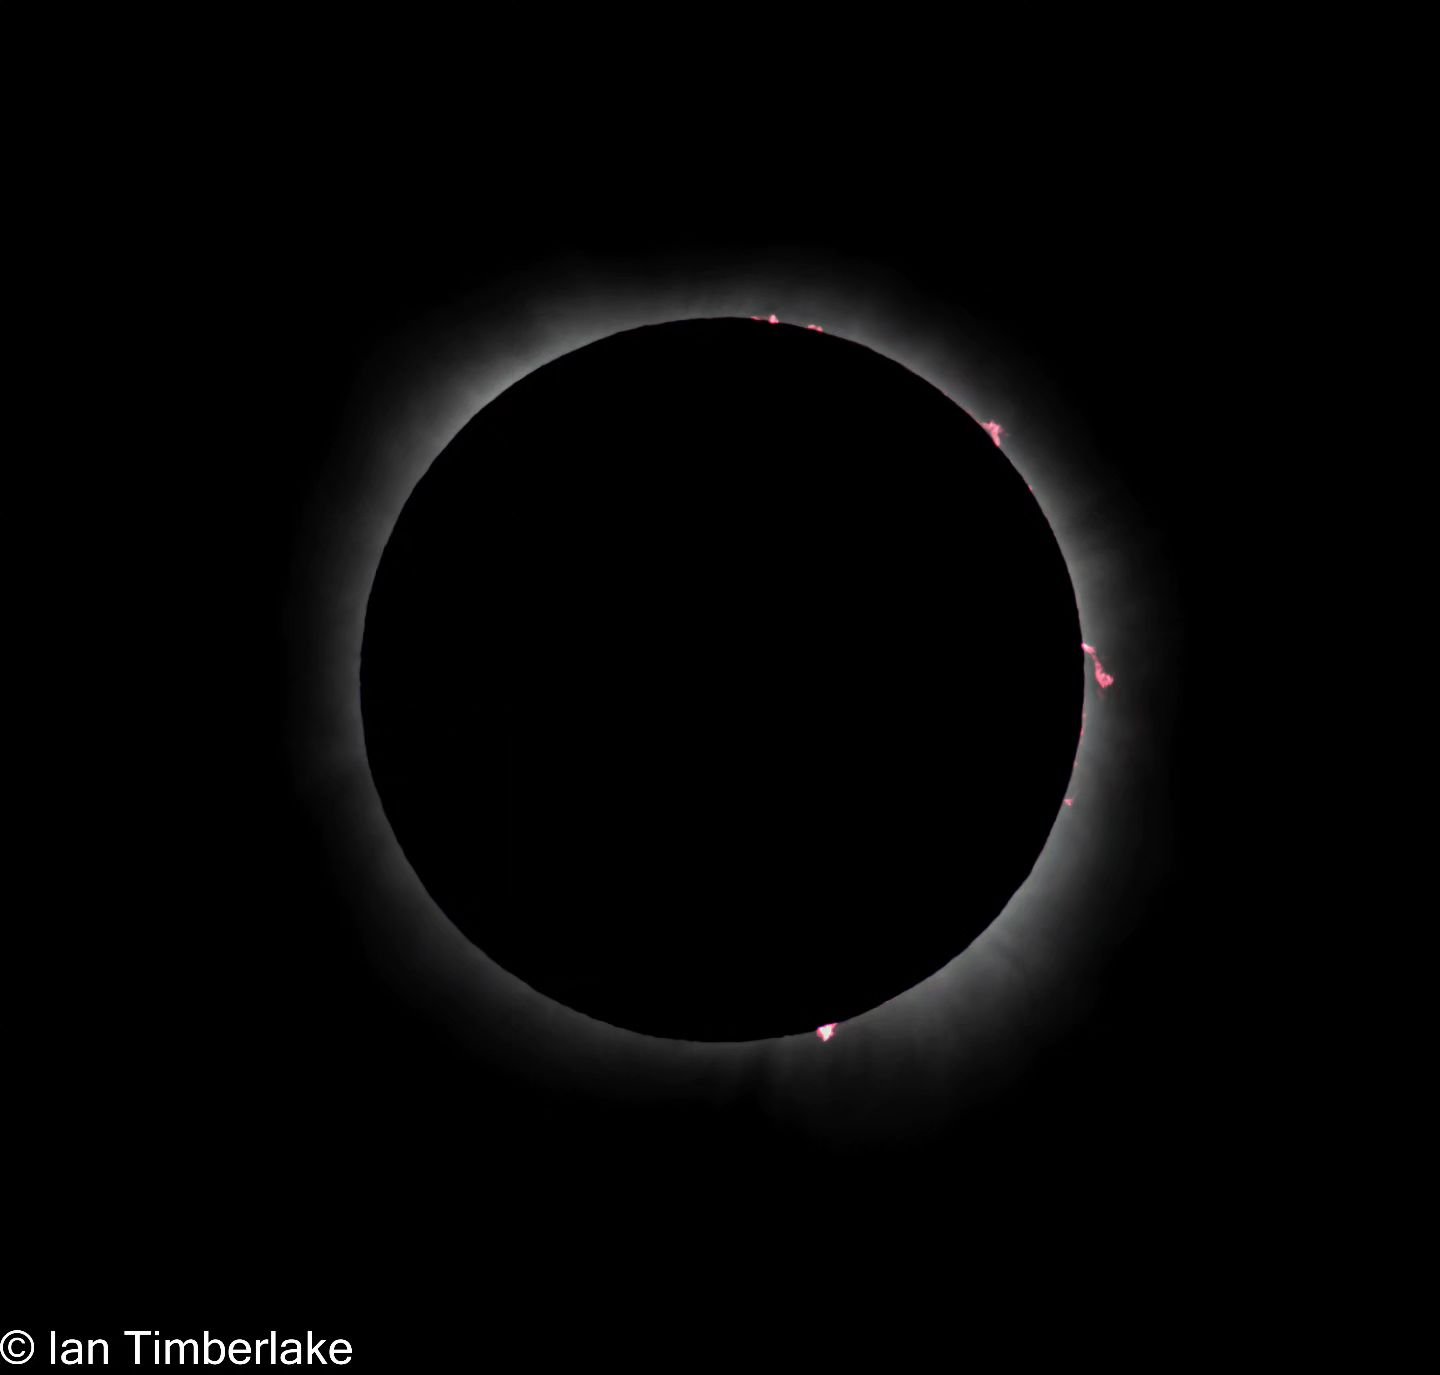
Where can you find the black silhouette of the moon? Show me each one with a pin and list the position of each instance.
(722, 679)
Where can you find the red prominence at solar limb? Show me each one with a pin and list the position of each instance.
(996, 431)
(1101, 677)
(827, 1031)
(775, 320)
(1104, 680)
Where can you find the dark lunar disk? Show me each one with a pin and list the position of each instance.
(722, 679)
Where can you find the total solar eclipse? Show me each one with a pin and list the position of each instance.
(722, 679)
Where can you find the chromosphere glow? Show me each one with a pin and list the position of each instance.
(827, 1031)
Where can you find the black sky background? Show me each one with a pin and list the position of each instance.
(201, 1044)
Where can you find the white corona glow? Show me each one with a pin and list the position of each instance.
(950, 1031)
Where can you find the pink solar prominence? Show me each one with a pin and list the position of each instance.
(827, 1031)
(1101, 677)
(1104, 679)
(775, 320)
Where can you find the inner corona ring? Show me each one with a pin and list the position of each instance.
(722, 679)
